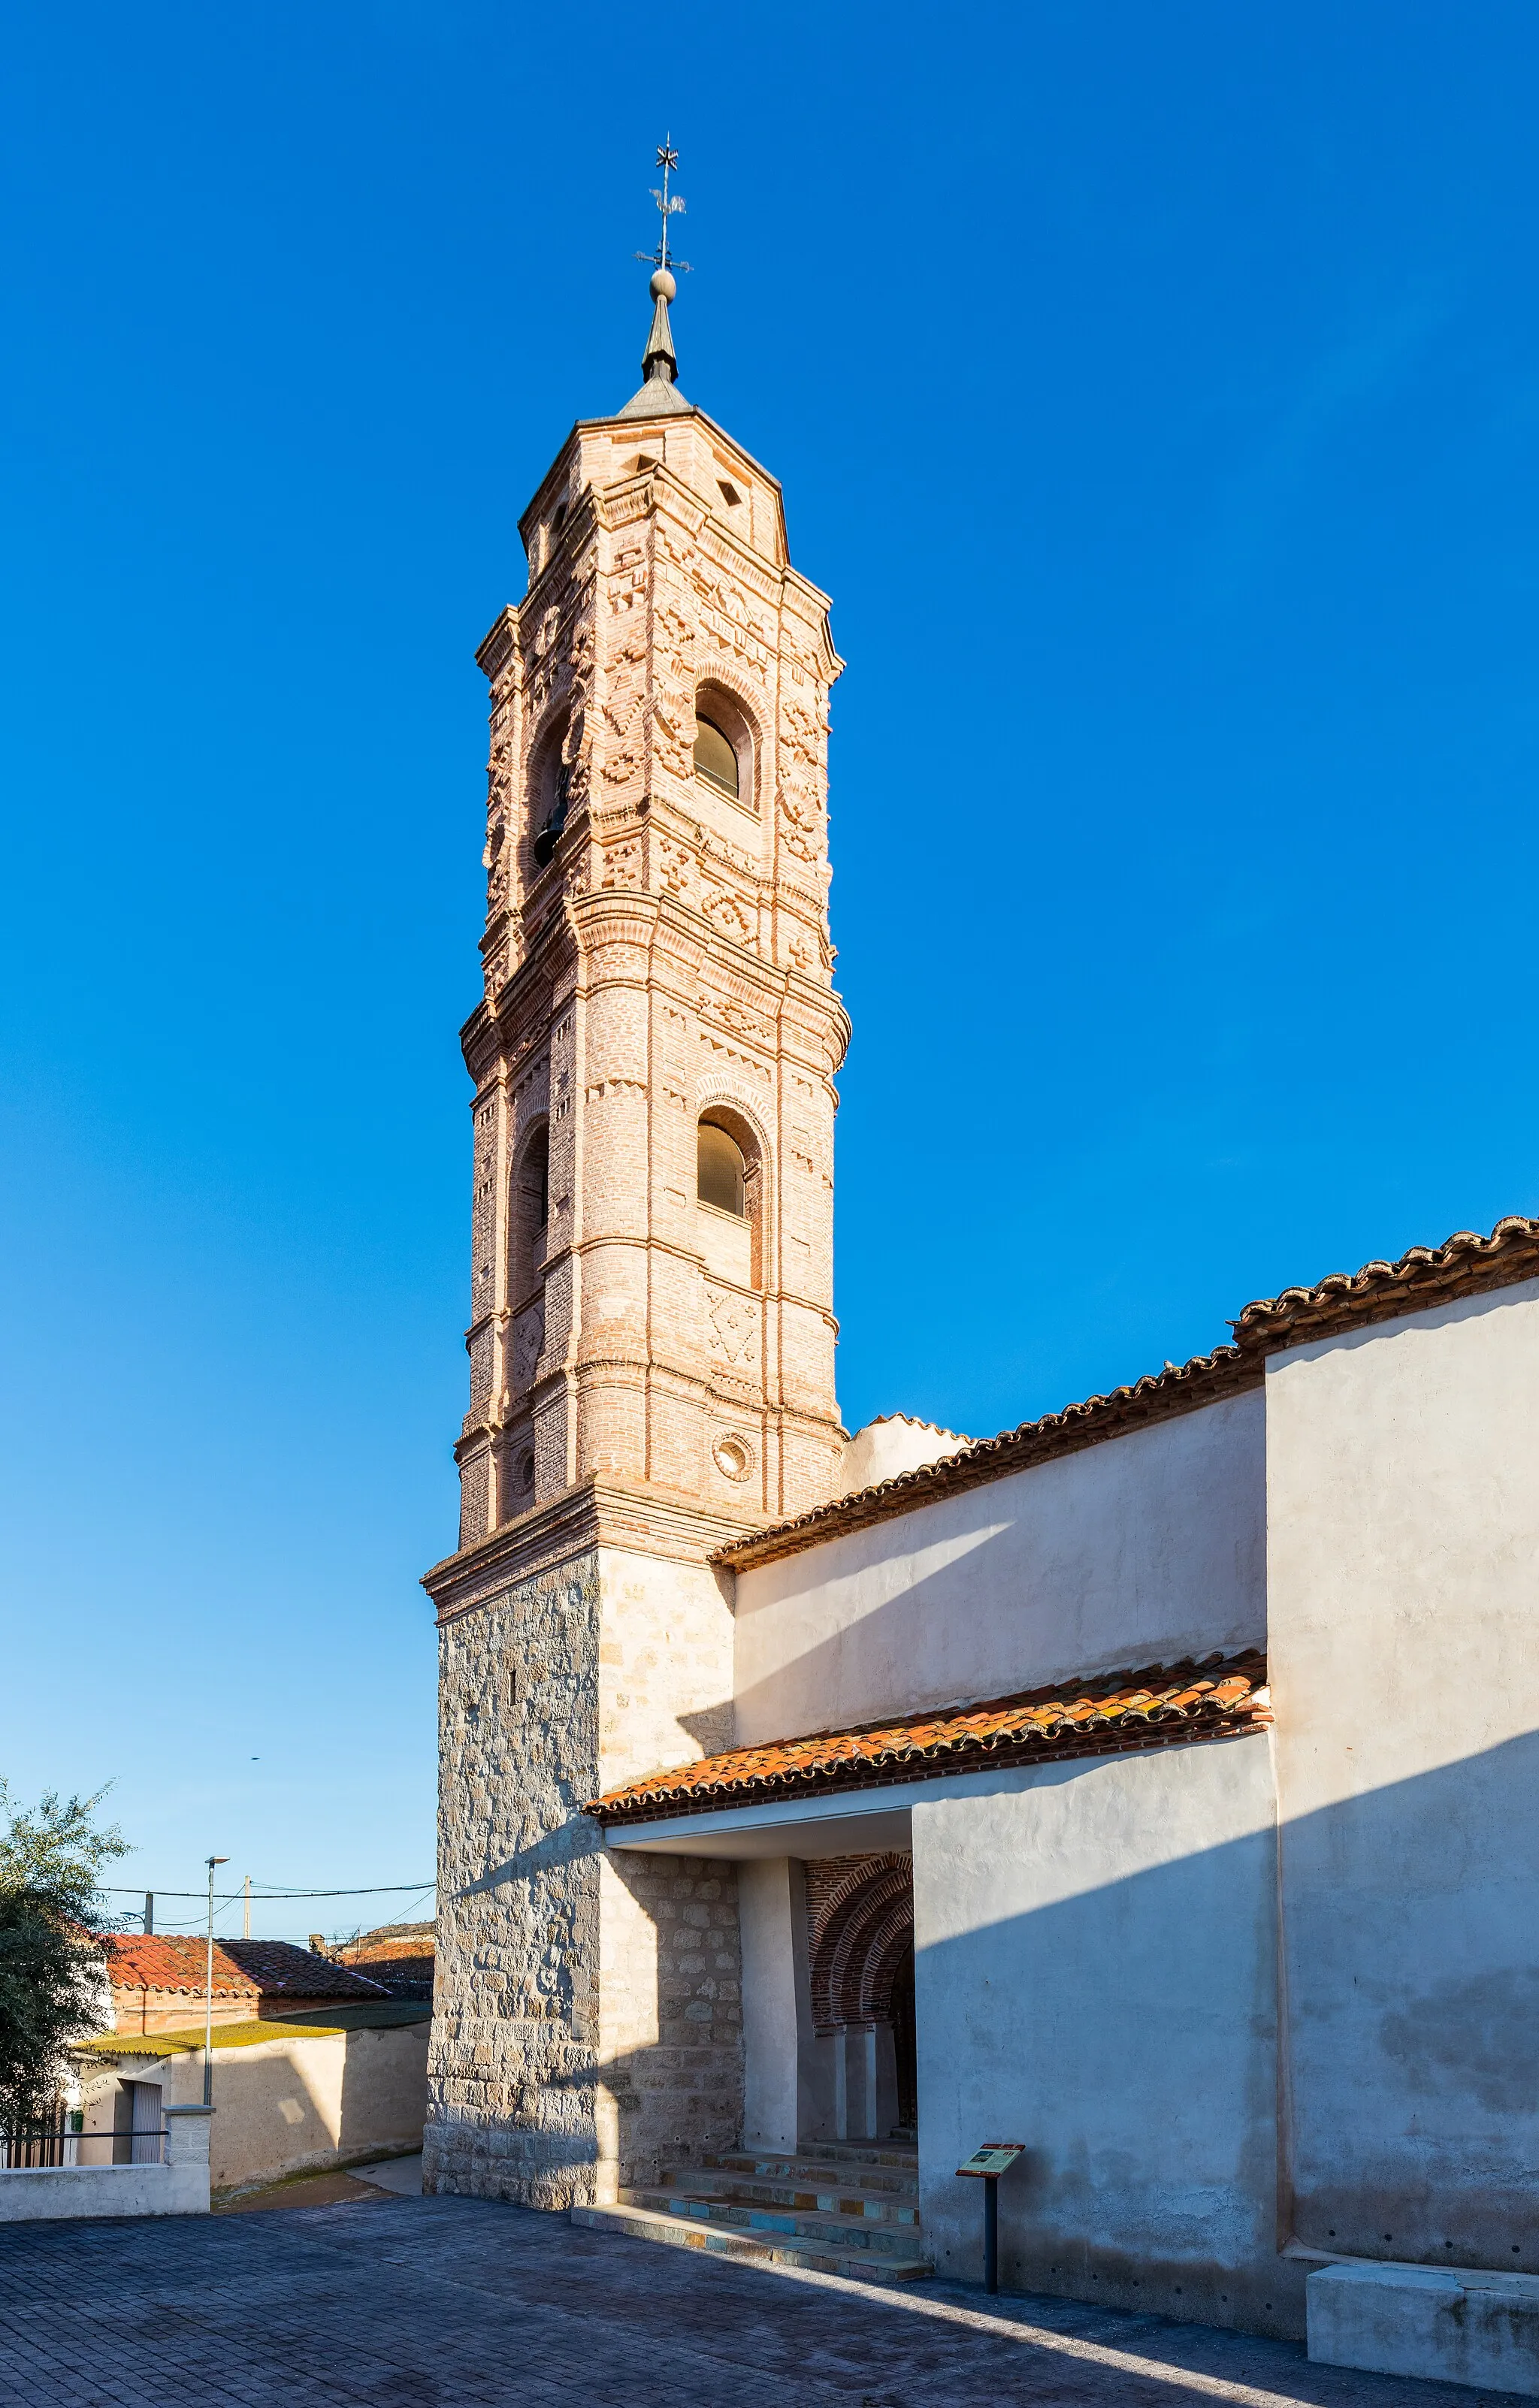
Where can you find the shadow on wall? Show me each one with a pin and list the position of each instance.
(1193, 2097)
(311, 2099)
(582, 2102)
(1051, 1574)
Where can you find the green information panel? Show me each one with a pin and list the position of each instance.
(994, 2157)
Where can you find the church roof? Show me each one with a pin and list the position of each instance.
(1114, 1713)
(1465, 1264)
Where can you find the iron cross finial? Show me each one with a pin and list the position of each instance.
(669, 204)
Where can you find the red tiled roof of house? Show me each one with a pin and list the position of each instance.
(1464, 1264)
(1116, 1713)
(247, 1969)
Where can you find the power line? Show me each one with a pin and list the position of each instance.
(272, 1893)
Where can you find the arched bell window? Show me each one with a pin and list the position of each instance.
(531, 1211)
(729, 1185)
(715, 760)
(550, 796)
(724, 745)
(723, 1173)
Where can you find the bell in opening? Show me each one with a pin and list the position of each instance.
(715, 758)
(721, 1171)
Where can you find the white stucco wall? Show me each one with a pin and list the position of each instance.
(1095, 1976)
(302, 2099)
(1146, 1547)
(773, 1918)
(1404, 1580)
(177, 2186)
(892, 1445)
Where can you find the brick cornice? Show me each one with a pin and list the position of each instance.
(596, 1513)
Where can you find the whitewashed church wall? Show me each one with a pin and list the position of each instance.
(1144, 1548)
(1403, 1579)
(772, 1904)
(1095, 1976)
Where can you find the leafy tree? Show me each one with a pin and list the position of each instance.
(51, 1972)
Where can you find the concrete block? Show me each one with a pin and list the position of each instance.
(1466, 2326)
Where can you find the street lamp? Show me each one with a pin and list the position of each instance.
(208, 1993)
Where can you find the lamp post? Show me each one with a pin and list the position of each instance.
(208, 1993)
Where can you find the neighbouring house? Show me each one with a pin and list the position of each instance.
(157, 1980)
(400, 1957)
(314, 2063)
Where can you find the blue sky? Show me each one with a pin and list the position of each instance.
(1157, 393)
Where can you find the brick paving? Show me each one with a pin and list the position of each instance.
(411, 2304)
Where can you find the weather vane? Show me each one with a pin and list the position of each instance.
(669, 204)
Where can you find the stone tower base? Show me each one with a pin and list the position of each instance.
(588, 2019)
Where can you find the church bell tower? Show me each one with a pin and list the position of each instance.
(651, 1332)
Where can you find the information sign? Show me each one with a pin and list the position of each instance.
(994, 2157)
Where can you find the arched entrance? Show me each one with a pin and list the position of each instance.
(860, 1953)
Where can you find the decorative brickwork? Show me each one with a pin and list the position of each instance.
(652, 1375)
(656, 949)
(859, 1924)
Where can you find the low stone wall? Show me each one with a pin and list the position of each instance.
(1442, 2324)
(35, 2194)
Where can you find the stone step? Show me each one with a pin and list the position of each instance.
(817, 2192)
(903, 2154)
(755, 2249)
(743, 2216)
(899, 2180)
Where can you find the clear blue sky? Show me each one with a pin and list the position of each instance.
(1157, 393)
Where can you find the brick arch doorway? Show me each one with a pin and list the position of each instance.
(860, 1936)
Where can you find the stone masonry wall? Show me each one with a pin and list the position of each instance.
(587, 2023)
(510, 2107)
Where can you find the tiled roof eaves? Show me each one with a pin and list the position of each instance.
(1118, 1714)
(1465, 1264)
(1206, 1380)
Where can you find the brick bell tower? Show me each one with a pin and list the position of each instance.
(651, 1335)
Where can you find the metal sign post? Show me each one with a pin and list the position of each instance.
(994, 2158)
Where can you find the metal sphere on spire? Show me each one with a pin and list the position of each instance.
(659, 362)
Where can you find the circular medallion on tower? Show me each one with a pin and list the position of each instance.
(732, 1457)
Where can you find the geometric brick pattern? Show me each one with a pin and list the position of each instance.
(860, 1924)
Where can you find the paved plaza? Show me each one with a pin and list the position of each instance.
(396, 2301)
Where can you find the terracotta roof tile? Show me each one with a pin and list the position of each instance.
(1114, 1714)
(1178, 1390)
(1464, 1264)
(242, 1968)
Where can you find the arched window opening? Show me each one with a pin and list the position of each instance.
(551, 798)
(537, 1178)
(531, 1203)
(714, 759)
(729, 1184)
(723, 1173)
(724, 745)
